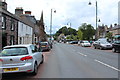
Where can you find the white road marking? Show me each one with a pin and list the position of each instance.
(107, 65)
(82, 54)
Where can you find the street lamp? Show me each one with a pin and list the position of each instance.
(69, 24)
(51, 24)
(96, 18)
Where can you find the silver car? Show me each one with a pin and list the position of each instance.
(20, 58)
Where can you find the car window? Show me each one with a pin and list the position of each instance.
(118, 41)
(44, 43)
(14, 51)
(85, 41)
(104, 42)
(34, 48)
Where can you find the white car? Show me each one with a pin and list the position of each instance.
(20, 58)
(85, 44)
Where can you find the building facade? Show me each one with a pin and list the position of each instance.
(19, 28)
(8, 27)
(25, 33)
(101, 31)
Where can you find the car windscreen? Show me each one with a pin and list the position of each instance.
(118, 41)
(14, 51)
(85, 41)
(104, 42)
(44, 43)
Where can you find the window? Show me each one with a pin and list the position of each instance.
(20, 41)
(21, 26)
(13, 51)
(33, 48)
(12, 25)
(11, 40)
(3, 22)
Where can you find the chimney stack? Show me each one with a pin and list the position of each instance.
(3, 4)
(18, 11)
(28, 12)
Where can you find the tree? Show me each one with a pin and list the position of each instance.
(109, 35)
(80, 34)
(87, 30)
(71, 31)
(66, 31)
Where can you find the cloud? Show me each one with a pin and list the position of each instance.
(75, 12)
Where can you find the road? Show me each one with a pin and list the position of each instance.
(72, 61)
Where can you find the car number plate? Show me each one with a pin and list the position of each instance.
(43, 46)
(10, 69)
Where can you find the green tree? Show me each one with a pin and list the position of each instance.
(109, 35)
(80, 34)
(66, 31)
(71, 31)
(87, 30)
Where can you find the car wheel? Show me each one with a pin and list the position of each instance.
(94, 47)
(42, 60)
(101, 48)
(35, 69)
(113, 49)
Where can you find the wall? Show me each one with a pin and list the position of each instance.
(24, 33)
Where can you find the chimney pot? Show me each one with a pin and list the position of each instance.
(18, 11)
(28, 12)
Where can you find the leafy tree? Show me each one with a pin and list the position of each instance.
(80, 34)
(71, 31)
(66, 31)
(109, 35)
(87, 30)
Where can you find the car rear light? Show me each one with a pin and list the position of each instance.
(26, 58)
(29, 70)
(46, 45)
(1, 60)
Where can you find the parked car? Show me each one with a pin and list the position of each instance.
(116, 46)
(20, 58)
(45, 46)
(73, 42)
(85, 44)
(102, 45)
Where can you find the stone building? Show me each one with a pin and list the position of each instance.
(26, 26)
(42, 28)
(115, 30)
(8, 26)
(101, 31)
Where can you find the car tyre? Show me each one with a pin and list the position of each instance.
(95, 47)
(42, 60)
(101, 48)
(35, 69)
(113, 49)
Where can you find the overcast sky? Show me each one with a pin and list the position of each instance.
(75, 12)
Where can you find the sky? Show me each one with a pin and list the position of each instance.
(74, 12)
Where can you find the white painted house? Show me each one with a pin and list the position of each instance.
(25, 33)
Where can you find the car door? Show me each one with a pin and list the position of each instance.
(36, 54)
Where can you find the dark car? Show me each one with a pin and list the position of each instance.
(102, 45)
(45, 46)
(116, 46)
(73, 42)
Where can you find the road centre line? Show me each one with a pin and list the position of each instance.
(106, 65)
(82, 54)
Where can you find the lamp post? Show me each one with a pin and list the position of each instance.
(96, 37)
(69, 24)
(51, 24)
